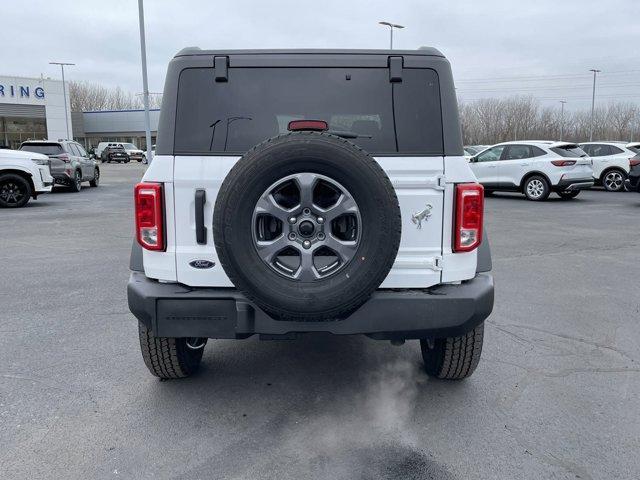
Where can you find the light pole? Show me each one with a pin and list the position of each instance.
(593, 102)
(562, 102)
(145, 84)
(391, 27)
(64, 94)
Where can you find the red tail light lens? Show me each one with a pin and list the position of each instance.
(149, 216)
(563, 163)
(314, 125)
(469, 211)
(634, 161)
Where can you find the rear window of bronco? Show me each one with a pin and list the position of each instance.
(218, 118)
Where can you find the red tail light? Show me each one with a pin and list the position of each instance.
(634, 161)
(563, 163)
(315, 125)
(149, 216)
(469, 211)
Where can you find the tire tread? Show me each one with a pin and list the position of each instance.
(454, 358)
(167, 357)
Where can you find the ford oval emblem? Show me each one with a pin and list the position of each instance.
(202, 264)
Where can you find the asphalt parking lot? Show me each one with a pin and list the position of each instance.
(555, 395)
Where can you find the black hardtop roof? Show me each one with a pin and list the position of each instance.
(423, 51)
(194, 57)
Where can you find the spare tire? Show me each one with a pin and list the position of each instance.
(307, 225)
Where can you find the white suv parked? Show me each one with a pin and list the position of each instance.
(535, 168)
(23, 175)
(610, 162)
(310, 191)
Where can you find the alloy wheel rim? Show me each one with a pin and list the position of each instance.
(306, 227)
(11, 193)
(535, 188)
(613, 181)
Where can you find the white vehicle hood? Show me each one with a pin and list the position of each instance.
(20, 155)
(22, 160)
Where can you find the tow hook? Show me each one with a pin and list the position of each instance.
(195, 343)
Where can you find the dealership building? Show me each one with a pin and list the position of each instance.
(32, 108)
(91, 128)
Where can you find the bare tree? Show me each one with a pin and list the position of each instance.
(87, 96)
(620, 118)
(491, 120)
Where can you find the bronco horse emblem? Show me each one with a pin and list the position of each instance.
(418, 217)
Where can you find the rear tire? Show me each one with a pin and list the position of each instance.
(168, 357)
(453, 358)
(96, 178)
(568, 195)
(76, 182)
(536, 188)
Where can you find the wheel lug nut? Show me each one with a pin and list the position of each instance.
(306, 244)
(306, 211)
(292, 220)
(320, 220)
(292, 236)
(321, 236)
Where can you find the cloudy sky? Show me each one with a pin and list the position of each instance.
(542, 48)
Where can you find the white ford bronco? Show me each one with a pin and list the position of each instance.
(299, 191)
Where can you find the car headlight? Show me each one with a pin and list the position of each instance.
(40, 161)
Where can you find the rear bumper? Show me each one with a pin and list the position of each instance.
(174, 310)
(574, 184)
(61, 178)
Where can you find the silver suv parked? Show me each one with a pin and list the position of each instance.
(70, 162)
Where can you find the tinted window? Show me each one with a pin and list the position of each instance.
(258, 103)
(615, 150)
(517, 152)
(473, 150)
(45, 148)
(73, 149)
(537, 151)
(491, 155)
(83, 152)
(597, 150)
(634, 149)
(569, 151)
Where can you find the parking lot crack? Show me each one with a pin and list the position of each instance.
(506, 329)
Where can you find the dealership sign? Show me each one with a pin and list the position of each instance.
(21, 91)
